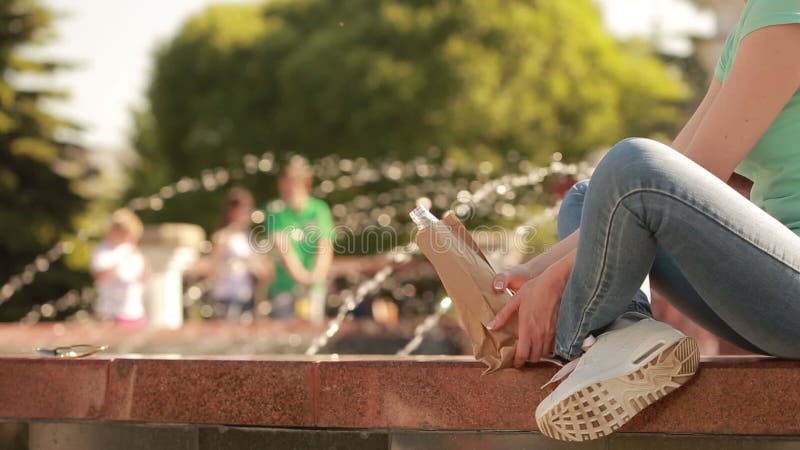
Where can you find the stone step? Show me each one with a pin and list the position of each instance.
(729, 396)
(125, 436)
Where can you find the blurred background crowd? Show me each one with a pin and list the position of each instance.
(266, 168)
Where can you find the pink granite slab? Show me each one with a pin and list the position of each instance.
(38, 387)
(728, 396)
(245, 392)
(428, 395)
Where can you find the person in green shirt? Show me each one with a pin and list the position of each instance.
(302, 228)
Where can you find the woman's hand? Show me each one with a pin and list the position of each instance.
(512, 278)
(536, 305)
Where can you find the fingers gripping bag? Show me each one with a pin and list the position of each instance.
(467, 276)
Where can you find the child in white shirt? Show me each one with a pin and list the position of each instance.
(119, 269)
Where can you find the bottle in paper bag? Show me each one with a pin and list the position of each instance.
(467, 276)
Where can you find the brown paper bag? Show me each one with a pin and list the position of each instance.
(467, 276)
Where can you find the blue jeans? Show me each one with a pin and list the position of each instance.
(717, 257)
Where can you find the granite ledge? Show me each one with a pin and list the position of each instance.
(729, 396)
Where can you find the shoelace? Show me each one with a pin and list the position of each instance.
(569, 367)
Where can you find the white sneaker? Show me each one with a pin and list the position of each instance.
(624, 371)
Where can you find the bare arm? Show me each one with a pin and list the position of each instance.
(324, 259)
(726, 125)
(764, 77)
(101, 274)
(290, 259)
(261, 267)
(555, 253)
(207, 266)
(686, 135)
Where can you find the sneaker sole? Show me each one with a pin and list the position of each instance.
(601, 408)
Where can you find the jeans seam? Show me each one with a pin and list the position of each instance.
(724, 225)
(593, 297)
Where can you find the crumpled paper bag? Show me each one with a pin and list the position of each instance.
(468, 278)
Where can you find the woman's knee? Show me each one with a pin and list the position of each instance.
(569, 214)
(637, 158)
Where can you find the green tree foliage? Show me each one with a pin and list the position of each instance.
(371, 78)
(40, 175)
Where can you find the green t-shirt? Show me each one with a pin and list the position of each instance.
(305, 228)
(774, 163)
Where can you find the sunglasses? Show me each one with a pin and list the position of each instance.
(71, 351)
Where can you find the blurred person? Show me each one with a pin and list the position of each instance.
(713, 219)
(233, 264)
(302, 228)
(119, 269)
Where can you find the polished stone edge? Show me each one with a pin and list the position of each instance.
(125, 436)
(42, 388)
(729, 396)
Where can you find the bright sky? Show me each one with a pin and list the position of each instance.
(114, 41)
